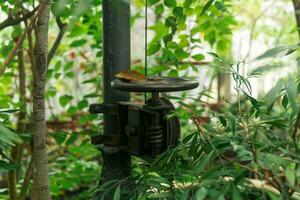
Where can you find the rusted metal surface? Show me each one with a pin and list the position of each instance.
(158, 84)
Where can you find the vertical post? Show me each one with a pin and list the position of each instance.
(116, 58)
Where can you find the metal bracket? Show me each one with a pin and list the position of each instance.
(111, 109)
(107, 140)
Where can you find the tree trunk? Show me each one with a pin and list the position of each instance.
(41, 189)
(296, 4)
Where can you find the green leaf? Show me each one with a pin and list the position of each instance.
(51, 92)
(272, 95)
(274, 159)
(280, 123)
(173, 73)
(266, 68)
(222, 45)
(59, 137)
(236, 194)
(290, 176)
(77, 30)
(291, 91)
(50, 73)
(170, 22)
(168, 38)
(285, 101)
(206, 6)
(117, 194)
(184, 66)
(92, 95)
(83, 104)
(159, 68)
(159, 9)
(200, 194)
(198, 57)
(187, 3)
(220, 6)
(223, 121)
(181, 54)
(270, 107)
(64, 100)
(57, 75)
(215, 55)
(8, 110)
(254, 102)
(72, 110)
(7, 166)
(7, 136)
(153, 48)
(16, 32)
(70, 74)
(72, 139)
(221, 197)
(159, 195)
(278, 51)
(273, 196)
(92, 80)
(170, 3)
(68, 65)
(160, 31)
(152, 2)
(172, 45)
(78, 43)
(178, 11)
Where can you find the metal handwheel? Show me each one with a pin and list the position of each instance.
(146, 130)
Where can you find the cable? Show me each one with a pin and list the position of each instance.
(146, 42)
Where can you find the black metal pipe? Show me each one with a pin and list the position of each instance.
(116, 58)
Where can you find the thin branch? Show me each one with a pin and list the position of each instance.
(195, 62)
(20, 40)
(296, 4)
(62, 30)
(21, 125)
(297, 125)
(31, 50)
(13, 52)
(26, 181)
(18, 44)
(12, 182)
(253, 26)
(10, 21)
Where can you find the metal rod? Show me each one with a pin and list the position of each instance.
(146, 37)
(116, 58)
(146, 43)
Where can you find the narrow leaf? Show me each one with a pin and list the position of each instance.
(285, 101)
(206, 6)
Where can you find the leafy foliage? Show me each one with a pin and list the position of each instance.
(7, 138)
(246, 150)
(239, 149)
(176, 38)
